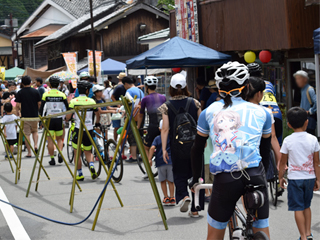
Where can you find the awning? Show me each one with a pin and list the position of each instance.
(316, 41)
(12, 73)
(178, 52)
(43, 32)
(33, 73)
(109, 67)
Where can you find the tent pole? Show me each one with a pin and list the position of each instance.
(316, 63)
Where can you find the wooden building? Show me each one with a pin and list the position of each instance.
(116, 33)
(284, 27)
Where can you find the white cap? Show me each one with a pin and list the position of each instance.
(160, 124)
(301, 73)
(178, 79)
(97, 88)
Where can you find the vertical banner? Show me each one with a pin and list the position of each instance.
(2, 73)
(71, 61)
(187, 19)
(98, 64)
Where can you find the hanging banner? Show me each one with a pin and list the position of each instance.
(98, 64)
(71, 61)
(2, 73)
(187, 19)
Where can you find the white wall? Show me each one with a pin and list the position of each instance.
(51, 16)
(155, 43)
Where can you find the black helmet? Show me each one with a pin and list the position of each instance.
(84, 85)
(254, 69)
(55, 80)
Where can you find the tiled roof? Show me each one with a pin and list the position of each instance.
(78, 8)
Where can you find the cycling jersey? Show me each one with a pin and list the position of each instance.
(236, 133)
(53, 102)
(81, 101)
(152, 102)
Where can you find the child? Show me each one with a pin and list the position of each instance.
(10, 130)
(301, 150)
(164, 169)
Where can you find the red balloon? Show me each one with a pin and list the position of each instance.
(176, 70)
(265, 56)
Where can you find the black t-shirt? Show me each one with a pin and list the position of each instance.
(29, 98)
(118, 91)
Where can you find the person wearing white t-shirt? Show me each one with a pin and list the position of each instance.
(10, 130)
(301, 151)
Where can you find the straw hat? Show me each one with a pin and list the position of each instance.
(121, 75)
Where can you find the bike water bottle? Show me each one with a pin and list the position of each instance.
(237, 234)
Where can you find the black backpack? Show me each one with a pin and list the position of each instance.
(185, 130)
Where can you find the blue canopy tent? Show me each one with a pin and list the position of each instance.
(109, 67)
(316, 45)
(178, 52)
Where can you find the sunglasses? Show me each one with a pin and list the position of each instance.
(233, 93)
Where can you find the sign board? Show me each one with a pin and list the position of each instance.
(71, 61)
(2, 73)
(98, 64)
(187, 19)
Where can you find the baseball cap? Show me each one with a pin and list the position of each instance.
(178, 79)
(212, 84)
(121, 75)
(97, 87)
(301, 73)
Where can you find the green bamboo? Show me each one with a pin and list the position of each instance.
(109, 173)
(80, 135)
(142, 151)
(5, 142)
(19, 153)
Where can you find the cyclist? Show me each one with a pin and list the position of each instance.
(53, 102)
(63, 88)
(269, 99)
(84, 76)
(83, 99)
(151, 102)
(236, 128)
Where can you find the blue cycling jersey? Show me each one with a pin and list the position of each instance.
(236, 133)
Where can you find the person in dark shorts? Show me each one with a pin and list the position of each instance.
(53, 103)
(83, 99)
(151, 102)
(10, 130)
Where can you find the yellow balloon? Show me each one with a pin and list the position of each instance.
(249, 57)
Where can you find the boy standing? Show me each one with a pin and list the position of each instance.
(301, 150)
(10, 130)
(164, 169)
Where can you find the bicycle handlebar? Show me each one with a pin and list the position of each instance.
(197, 189)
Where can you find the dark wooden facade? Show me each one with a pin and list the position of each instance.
(119, 39)
(239, 25)
(30, 53)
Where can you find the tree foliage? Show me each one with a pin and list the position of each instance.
(167, 5)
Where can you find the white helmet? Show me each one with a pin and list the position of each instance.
(151, 81)
(84, 75)
(232, 71)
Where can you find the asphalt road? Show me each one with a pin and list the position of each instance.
(138, 219)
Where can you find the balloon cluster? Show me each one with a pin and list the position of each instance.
(264, 56)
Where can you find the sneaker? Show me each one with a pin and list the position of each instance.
(310, 237)
(166, 201)
(193, 215)
(131, 160)
(60, 160)
(6, 156)
(52, 162)
(93, 173)
(124, 157)
(55, 152)
(184, 204)
(145, 176)
(36, 150)
(172, 201)
(79, 178)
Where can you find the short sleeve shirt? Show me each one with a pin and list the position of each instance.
(81, 101)
(159, 155)
(236, 134)
(11, 130)
(300, 147)
(29, 99)
(118, 91)
(55, 102)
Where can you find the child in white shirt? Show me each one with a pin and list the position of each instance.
(301, 151)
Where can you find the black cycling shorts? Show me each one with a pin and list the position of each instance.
(87, 145)
(153, 132)
(56, 126)
(12, 142)
(226, 192)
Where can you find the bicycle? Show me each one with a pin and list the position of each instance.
(235, 231)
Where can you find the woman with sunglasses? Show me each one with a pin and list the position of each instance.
(236, 128)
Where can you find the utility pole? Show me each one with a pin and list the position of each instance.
(93, 40)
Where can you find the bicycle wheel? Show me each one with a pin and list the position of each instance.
(97, 163)
(70, 150)
(83, 159)
(274, 182)
(118, 170)
(143, 169)
(260, 236)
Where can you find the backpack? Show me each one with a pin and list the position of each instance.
(185, 130)
(310, 101)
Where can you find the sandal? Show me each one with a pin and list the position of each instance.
(27, 156)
